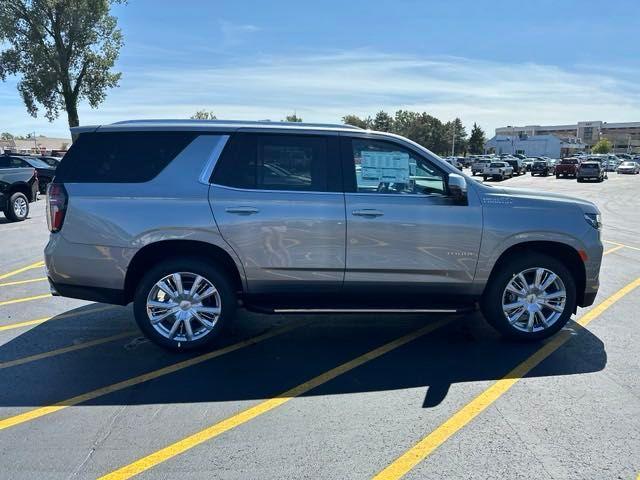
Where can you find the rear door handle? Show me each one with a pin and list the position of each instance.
(368, 212)
(242, 210)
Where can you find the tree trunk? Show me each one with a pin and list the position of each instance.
(72, 111)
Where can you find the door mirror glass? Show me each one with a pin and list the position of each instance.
(457, 187)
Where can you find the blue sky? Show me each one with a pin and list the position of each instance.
(493, 62)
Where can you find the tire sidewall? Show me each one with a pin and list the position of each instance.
(210, 272)
(10, 212)
(492, 299)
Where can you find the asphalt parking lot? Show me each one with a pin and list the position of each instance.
(84, 395)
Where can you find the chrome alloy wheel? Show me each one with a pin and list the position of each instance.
(20, 207)
(534, 299)
(183, 306)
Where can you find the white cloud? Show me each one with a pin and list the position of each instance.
(235, 33)
(326, 87)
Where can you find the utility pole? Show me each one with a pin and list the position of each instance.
(453, 140)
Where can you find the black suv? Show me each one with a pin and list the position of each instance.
(542, 168)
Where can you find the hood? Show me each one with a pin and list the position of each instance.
(524, 193)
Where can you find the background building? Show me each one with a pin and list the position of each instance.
(36, 145)
(624, 136)
(534, 145)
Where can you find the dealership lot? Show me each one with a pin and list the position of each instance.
(427, 396)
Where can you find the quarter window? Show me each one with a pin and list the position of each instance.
(384, 167)
(274, 162)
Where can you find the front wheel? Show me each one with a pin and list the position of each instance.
(17, 208)
(184, 304)
(530, 298)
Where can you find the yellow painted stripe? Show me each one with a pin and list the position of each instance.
(466, 414)
(20, 282)
(20, 270)
(114, 387)
(244, 416)
(613, 249)
(38, 321)
(25, 299)
(622, 245)
(60, 351)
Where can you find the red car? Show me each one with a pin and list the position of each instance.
(568, 167)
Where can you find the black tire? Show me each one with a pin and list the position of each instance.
(218, 278)
(484, 177)
(491, 302)
(579, 180)
(10, 209)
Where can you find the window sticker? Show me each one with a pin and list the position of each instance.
(385, 167)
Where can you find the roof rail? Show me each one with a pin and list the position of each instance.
(240, 122)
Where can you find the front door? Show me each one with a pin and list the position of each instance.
(404, 230)
(278, 202)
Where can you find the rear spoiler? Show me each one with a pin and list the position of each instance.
(75, 131)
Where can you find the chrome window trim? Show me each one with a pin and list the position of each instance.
(274, 191)
(207, 171)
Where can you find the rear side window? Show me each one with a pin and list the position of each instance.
(275, 162)
(12, 162)
(121, 157)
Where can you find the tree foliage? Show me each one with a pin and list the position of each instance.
(203, 115)
(603, 146)
(476, 140)
(62, 50)
(6, 136)
(420, 127)
(293, 118)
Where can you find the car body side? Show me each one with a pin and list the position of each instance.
(110, 226)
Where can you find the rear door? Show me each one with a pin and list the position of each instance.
(278, 202)
(403, 228)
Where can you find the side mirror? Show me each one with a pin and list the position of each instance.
(457, 187)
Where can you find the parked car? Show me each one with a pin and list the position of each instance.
(542, 168)
(45, 171)
(590, 170)
(528, 162)
(49, 160)
(316, 239)
(479, 165)
(568, 167)
(454, 161)
(517, 164)
(498, 171)
(629, 167)
(18, 188)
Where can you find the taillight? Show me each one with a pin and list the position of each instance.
(56, 206)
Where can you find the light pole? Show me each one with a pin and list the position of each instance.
(453, 140)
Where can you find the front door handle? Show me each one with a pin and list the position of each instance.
(242, 210)
(368, 212)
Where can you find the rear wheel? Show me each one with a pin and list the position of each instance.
(530, 298)
(17, 208)
(184, 304)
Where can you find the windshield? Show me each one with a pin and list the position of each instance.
(35, 162)
(628, 164)
(569, 161)
(497, 164)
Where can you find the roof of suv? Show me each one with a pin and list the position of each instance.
(182, 124)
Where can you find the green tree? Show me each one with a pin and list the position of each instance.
(455, 129)
(382, 122)
(62, 50)
(356, 121)
(6, 136)
(476, 140)
(603, 146)
(203, 115)
(293, 118)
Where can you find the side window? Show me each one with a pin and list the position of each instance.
(384, 167)
(274, 162)
(4, 162)
(121, 157)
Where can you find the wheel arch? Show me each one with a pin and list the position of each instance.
(20, 187)
(562, 252)
(166, 249)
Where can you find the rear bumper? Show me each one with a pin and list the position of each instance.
(92, 294)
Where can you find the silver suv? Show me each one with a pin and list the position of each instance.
(191, 219)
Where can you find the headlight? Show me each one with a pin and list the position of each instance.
(594, 219)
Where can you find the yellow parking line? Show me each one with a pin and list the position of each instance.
(25, 299)
(412, 457)
(60, 351)
(613, 249)
(20, 270)
(20, 282)
(38, 321)
(114, 387)
(244, 416)
(623, 245)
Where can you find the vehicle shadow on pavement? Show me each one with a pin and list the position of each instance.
(465, 349)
